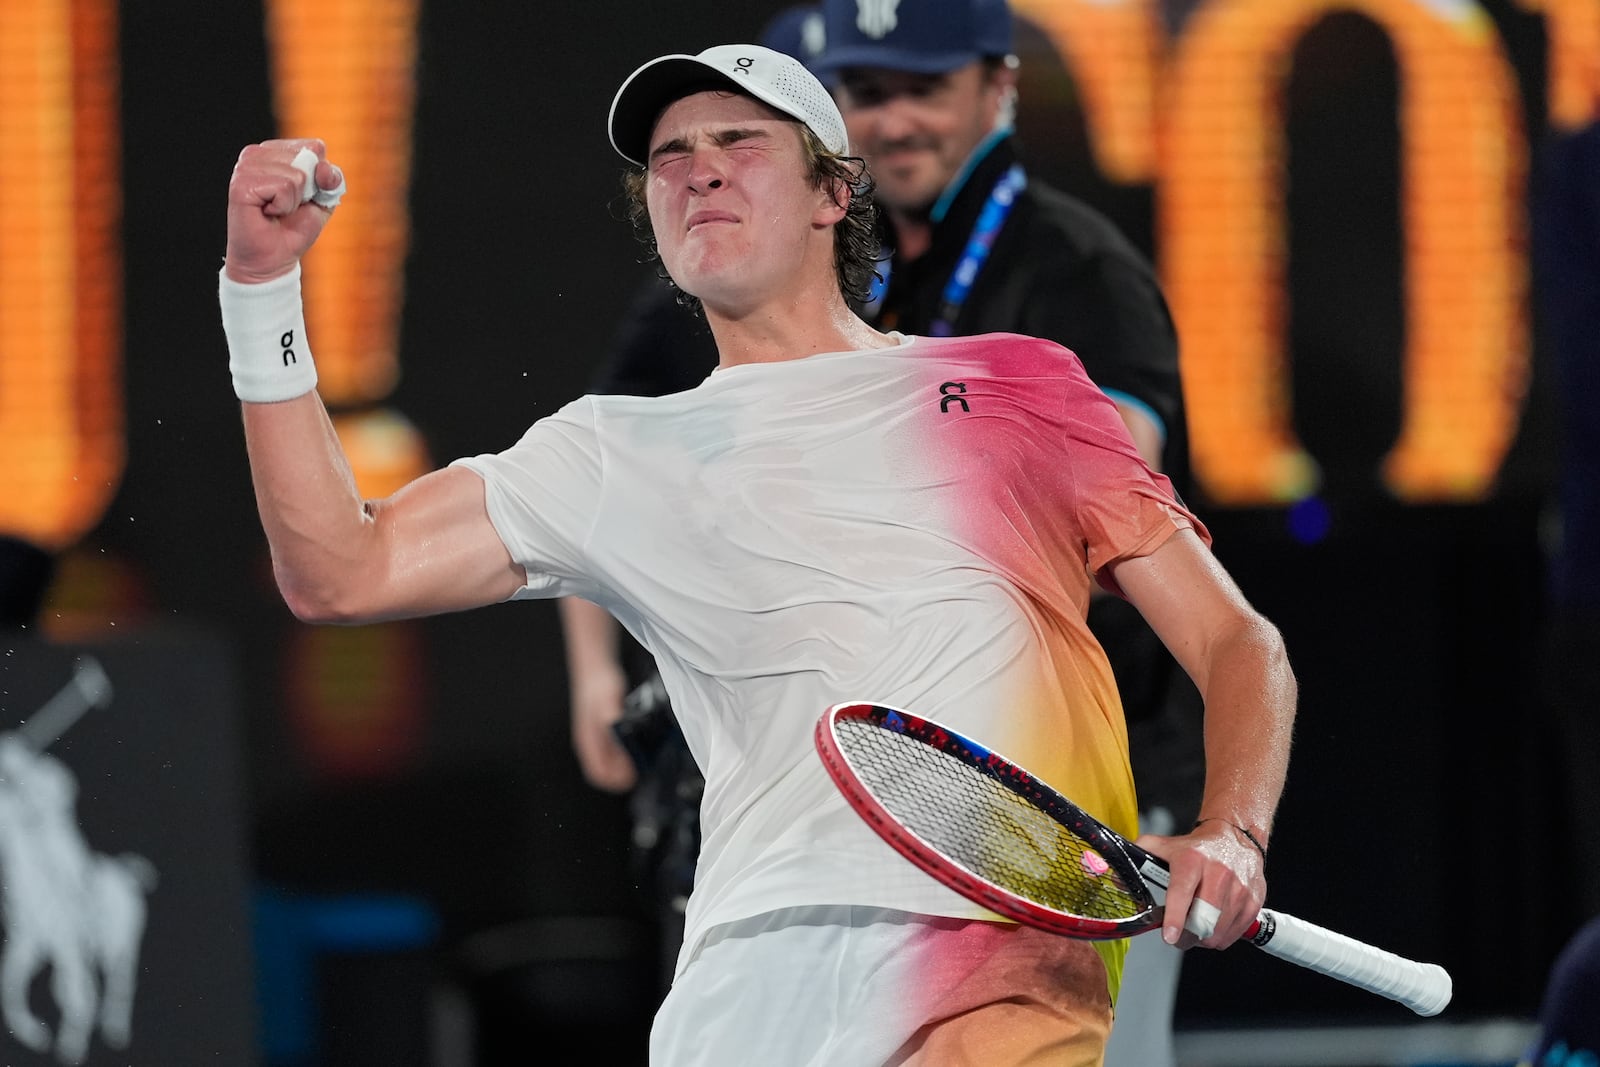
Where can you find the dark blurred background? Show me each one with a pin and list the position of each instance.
(424, 876)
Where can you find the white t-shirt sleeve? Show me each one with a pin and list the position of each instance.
(542, 494)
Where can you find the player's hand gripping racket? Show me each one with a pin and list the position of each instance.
(994, 833)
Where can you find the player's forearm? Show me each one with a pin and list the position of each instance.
(598, 686)
(1250, 696)
(591, 638)
(323, 538)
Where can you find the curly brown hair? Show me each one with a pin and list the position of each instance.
(855, 237)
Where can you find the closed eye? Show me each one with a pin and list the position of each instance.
(680, 147)
(668, 150)
(729, 138)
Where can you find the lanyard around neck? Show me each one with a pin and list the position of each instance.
(993, 216)
(990, 219)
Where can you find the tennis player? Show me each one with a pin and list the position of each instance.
(836, 513)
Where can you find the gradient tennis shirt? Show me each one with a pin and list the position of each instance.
(918, 526)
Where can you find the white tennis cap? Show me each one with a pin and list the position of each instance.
(775, 79)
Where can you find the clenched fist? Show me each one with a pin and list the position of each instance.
(281, 195)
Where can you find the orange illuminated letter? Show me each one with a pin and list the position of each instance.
(1222, 243)
(60, 270)
(1113, 48)
(344, 71)
(1573, 29)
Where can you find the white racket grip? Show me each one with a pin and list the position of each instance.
(1425, 988)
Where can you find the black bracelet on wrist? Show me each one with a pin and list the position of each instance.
(1248, 836)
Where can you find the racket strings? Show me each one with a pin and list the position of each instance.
(985, 827)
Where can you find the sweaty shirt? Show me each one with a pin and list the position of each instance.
(917, 526)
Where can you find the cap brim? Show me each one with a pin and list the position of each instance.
(866, 57)
(648, 91)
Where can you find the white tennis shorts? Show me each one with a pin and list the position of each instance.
(845, 986)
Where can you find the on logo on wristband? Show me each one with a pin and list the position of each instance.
(268, 354)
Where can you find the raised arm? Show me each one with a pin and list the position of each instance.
(1238, 661)
(338, 558)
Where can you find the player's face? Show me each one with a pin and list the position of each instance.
(917, 130)
(733, 211)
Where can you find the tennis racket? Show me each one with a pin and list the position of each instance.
(1000, 837)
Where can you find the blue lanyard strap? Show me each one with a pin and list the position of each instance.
(993, 216)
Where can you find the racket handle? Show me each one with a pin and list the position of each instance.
(1425, 988)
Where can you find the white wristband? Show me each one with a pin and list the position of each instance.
(266, 331)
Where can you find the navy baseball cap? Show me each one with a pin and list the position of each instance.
(919, 36)
(795, 31)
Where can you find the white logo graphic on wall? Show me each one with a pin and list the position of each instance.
(66, 908)
(876, 18)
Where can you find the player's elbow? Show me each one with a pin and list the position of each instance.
(1267, 647)
(1249, 640)
(313, 607)
(322, 602)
